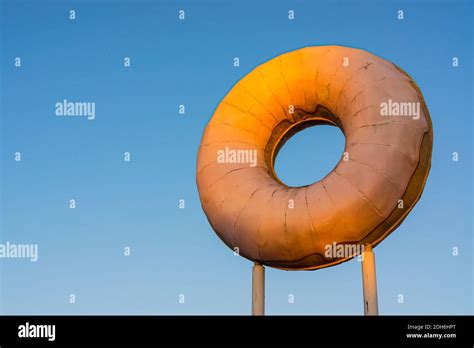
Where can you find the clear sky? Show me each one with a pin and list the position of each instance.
(135, 204)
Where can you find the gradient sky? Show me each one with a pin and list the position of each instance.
(174, 251)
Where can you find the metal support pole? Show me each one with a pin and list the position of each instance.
(258, 289)
(369, 282)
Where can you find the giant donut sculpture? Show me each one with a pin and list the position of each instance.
(361, 201)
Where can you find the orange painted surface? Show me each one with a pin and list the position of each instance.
(387, 156)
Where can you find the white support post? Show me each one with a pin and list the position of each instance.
(258, 289)
(369, 282)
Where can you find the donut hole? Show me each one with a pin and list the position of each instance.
(309, 155)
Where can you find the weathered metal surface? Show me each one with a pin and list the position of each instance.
(386, 161)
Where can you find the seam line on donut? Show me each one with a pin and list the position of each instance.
(261, 104)
(349, 80)
(231, 171)
(308, 73)
(284, 79)
(246, 112)
(359, 111)
(286, 230)
(299, 76)
(364, 196)
(315, 79)
(227, 196)
(301, 54)
(355, 97)
(260, 223)
(271, 92)
(378, 172)
(240, 212)
(386, 145)
(235, 127)
(336, 208)
(351, 102)
(292, 98)
(330, 78)
(389, 122)
(231, 141)
(313, 230)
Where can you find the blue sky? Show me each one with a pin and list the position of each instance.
(135, 204)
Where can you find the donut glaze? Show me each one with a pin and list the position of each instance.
(378, 180)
